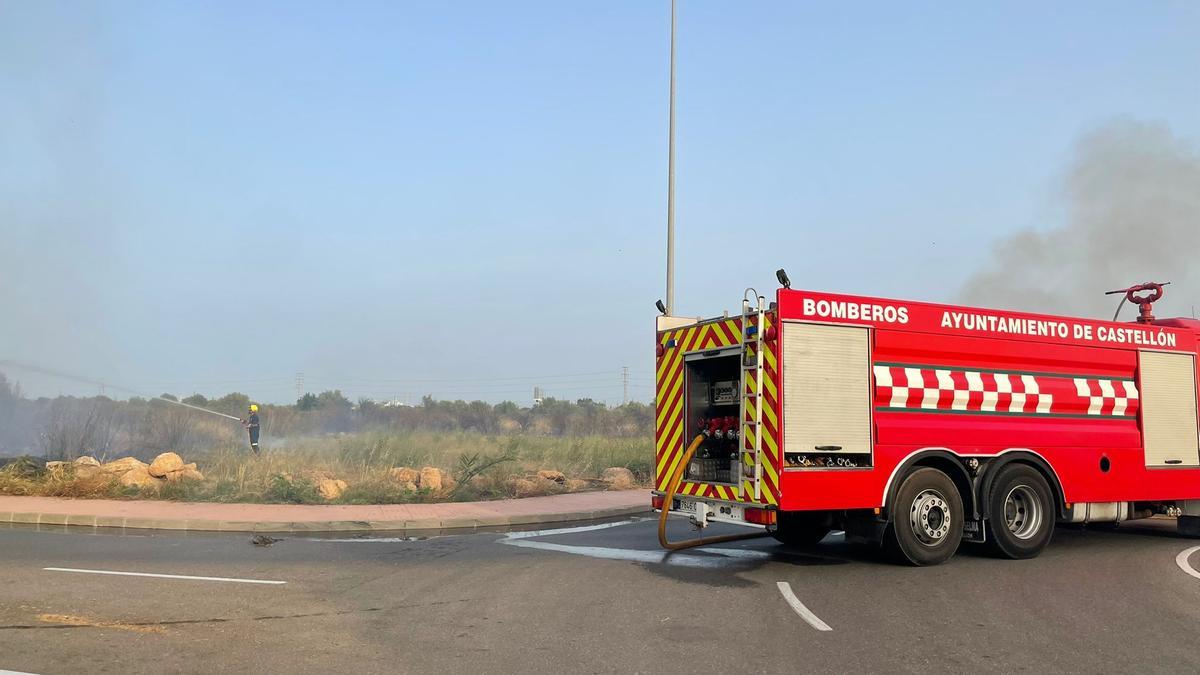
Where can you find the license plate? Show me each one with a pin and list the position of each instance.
(687, 505)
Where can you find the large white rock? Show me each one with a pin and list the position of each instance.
(86, 467)
(188, 472)
(165, 464)
(120, 466)
(138, 477)
(617, 478)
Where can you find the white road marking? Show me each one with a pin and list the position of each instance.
(632, 555)
(1182, 561)
(370, 540)
(805, 613)
(717, 558)
(572, 530)
(13, 672)
(522, 540)
(748, 554)
(510, 535)
(164, 576)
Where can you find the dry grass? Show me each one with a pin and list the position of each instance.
(288, 473)
(19, 480)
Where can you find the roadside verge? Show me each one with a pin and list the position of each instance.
(52, 512)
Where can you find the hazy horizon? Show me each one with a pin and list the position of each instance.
(469, 200)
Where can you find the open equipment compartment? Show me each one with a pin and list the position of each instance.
(713, 380)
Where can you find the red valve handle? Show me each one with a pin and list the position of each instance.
(1156, 292)
(1144, 302)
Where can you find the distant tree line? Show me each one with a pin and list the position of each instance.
(67, 426)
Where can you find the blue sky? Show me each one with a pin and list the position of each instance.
(468, 199)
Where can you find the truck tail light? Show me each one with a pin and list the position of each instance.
(759, 516)
(656, 502)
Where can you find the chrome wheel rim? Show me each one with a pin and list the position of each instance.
(1023, 513)
(930, 517)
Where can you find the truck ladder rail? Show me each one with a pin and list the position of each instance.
(752, 363)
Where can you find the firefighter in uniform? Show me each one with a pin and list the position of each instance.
(251, 424)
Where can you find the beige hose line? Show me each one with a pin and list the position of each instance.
(669, 498)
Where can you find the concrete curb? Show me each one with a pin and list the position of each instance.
(59, 521)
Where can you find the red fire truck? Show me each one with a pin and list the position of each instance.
(919, 425)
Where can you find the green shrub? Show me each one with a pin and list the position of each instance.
(292, 491)
(381, 492)
(185, 491)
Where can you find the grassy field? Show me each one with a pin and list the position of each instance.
(483, 467)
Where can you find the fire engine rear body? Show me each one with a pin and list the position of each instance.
(919, 425)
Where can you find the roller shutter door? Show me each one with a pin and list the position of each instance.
(1168, 407)
(827, 388)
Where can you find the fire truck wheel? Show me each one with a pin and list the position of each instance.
(927, 522)
(801, 529)
(1021, 512)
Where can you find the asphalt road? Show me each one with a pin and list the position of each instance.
(599, 600)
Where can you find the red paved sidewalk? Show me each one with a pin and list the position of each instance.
(163, 515)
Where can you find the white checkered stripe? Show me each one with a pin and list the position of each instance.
(1107, 397)
(960, 390)
(926, 388)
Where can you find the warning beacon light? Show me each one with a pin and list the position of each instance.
(783, 278)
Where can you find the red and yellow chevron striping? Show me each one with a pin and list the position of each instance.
(670, 409)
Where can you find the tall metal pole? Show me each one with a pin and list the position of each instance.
(671, 181)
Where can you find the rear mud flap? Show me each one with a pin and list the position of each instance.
(865, 529)
(1188, 526)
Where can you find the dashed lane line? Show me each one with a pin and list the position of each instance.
(186, 577)
(805, 613)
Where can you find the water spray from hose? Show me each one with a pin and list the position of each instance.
(87, 380)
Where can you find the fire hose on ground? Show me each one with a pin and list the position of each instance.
(669, 498)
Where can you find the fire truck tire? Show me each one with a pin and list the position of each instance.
(801, 529)
(1021, 509)
(927, 522)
